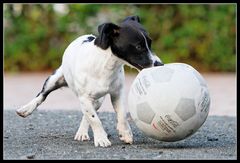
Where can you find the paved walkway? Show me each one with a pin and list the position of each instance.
(21, 88)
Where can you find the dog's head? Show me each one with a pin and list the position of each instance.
(128, 41)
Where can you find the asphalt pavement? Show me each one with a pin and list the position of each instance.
(50, 135)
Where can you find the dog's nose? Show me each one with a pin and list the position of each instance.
(157, 63)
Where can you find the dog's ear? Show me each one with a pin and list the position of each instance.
(107, 32)
(133, 18)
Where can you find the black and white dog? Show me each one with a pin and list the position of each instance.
(93, 67)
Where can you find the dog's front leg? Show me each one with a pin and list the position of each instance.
(82, 133)
(124, 130)
(89, 112)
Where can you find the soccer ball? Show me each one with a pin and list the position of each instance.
(170, 102)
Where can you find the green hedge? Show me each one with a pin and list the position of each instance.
(203, 35)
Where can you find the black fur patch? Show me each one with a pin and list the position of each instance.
(44, 85)
(89, 39)
(60, 83)
(107, 32)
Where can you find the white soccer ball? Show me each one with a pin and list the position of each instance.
(169, 102)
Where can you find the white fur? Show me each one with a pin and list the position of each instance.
(91, 73)
(89, 70)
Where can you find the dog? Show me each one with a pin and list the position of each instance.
(92, 67)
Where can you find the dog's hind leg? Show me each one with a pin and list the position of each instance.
(53, 82)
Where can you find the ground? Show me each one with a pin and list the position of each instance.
(48, 133)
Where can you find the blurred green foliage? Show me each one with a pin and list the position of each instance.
(202, 35)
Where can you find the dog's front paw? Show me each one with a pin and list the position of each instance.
(126, 136)
(81, 136)
(125, 133)
(101, 140)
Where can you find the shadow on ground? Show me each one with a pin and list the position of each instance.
(49, 135)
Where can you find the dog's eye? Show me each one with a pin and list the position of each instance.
(138, 47)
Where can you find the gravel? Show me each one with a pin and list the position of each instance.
(49, 135)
